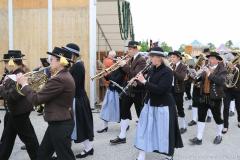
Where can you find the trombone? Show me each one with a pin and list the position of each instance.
(114, 67)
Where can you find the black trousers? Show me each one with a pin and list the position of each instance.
(179, 103)
(188, 86)
(230, 94)
(214, 106)
(57, 139)
(126, 102)
(19, 125)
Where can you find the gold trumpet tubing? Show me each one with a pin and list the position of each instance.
(114, 67)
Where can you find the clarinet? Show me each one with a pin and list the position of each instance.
(131, 82)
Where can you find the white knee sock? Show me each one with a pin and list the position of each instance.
(200, 130)
(232, 106)
(194, 113)
(209, 113)
(124, 125)
(87, 145)
(141, 155)
(219, 129)
(182, 122)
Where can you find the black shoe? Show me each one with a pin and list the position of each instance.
(118, 141)
(103, 130)
(231, 114)
(225, 130)
(23, 147)
(196, 141)
(209, 119)
(190, 107)
(192, 123)
(238, 125)
(85, 154)
(183, 130)
(217, 140)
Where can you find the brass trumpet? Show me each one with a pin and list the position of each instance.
(114, 67)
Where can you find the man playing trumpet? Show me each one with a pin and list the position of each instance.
(212, 81)
(131, 68)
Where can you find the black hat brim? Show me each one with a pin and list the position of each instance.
(56, 55)
(13, 59)
(175, 55)
(218, 57)
(77, 54)
(131, 46)
(156, 54)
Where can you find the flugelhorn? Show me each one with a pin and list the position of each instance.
(108, 70)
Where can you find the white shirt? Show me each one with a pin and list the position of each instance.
(213, 67)
(135, 56)
(177, 64)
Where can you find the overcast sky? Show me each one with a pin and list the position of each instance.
(182, 21)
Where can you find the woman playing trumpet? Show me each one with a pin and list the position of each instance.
(157, 129)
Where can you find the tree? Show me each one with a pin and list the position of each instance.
(229, 44)
(182, 48)
(144, 46)
(166, 47)
(211, 46)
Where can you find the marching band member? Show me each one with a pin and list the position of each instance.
(134, 66)
(18, 121)
(231, 93)
(211, 90)
(57, 95)
(179, 72)
(206, 51)
(83, 129)
(110, 111)
(157, 129)
(201, 61)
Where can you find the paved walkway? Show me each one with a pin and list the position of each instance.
(228, 150)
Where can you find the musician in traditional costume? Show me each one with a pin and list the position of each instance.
(232, 91)
(212, 81)
(157, 129)
(110, 111)
(18, 121)
(196, 89)
(206, 52)
(57, 95)
(136, 92)
(178, 88)
(83, 129)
